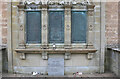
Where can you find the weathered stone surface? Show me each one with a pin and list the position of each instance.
(0, 60)
(113, 62)
(56, 66)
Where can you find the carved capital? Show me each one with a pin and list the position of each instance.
(90, 7)
(21, 6)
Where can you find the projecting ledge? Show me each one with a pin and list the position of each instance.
(45, 52)
(83, 51)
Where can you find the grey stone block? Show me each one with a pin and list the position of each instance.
(56, 66)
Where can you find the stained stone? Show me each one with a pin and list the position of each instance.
(56, 66)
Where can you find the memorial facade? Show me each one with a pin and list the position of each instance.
(44, 31)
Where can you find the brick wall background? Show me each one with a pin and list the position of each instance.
(0, 22)
(112, 23)
(3, 23)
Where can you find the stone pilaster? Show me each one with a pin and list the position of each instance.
(21, 21)
(102, 38)
(9, 43)
(90, 24)
(44, 27)
(67, 27)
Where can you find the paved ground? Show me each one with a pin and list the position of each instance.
(83, 75)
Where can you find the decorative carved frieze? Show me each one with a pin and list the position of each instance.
(36, 4)
(32, 6)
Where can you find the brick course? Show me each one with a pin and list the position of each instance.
(112, 23)
(4, 22)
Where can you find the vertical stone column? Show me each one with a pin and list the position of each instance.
(21, 21)
(44, 33)
(102, 38)
(90, 39)
(9, 43)
(67, 27)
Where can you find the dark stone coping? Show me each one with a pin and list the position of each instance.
(3, 47)
(114, 49)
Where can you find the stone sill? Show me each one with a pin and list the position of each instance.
(82, 51)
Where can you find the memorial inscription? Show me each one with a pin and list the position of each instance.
(56, 66)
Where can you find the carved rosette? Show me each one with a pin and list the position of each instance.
(91, 28)
(44, 27)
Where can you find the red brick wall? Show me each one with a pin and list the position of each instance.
(112, 23)
(4, 22)
(119, 24)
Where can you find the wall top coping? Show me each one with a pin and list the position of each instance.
(2, 47)
(114, 49)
